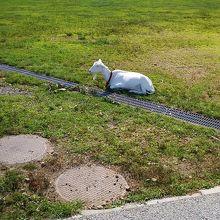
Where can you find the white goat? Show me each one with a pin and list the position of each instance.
(120, 79)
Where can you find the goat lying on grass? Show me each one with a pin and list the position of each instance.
(120, 79)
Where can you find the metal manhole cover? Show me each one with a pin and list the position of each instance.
(22, 148)
(94, 185)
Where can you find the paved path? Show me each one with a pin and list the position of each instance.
(197, 207)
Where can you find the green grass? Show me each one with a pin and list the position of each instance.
(16, 203)
(143, 146)
(175, 43)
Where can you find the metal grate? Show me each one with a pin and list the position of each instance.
(37, 75)
(153, 107)
(159, 108)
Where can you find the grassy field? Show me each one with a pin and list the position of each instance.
(157, 157)
(175, 43)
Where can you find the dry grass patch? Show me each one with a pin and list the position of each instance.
(191, 65)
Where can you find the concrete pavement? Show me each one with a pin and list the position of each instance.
(204, 205)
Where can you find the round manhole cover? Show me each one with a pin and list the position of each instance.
(94, 185)
(22, 148)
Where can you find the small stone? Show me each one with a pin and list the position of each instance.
(209, 150)
(62, 89)
(154, 179)
(3, 167)
(43, 164)
(127, 187)
(99, 207)
(27, 180)
(54, 154)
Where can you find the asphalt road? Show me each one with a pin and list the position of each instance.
(198, 207)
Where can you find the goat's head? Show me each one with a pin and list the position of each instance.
(96, 67)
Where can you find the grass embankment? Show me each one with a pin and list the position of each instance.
(159, 156)
(175, 43)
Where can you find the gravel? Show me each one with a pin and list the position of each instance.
(7, 90)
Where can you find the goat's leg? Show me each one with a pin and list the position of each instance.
(116, 86)
(137, 91)
(143, 88)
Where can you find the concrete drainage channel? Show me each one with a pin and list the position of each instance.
(147, 105)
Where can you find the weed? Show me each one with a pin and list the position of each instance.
(15, 204)
(12, 181)
(30, 166)
(68, 34)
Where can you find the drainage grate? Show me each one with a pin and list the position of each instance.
(37, 75)
(159, 108)
(94, 185)
(154, 107)
(22, 148)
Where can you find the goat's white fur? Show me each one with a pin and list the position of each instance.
(131, 81)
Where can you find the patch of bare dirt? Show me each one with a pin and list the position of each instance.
(189, 168)
(7, 90)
